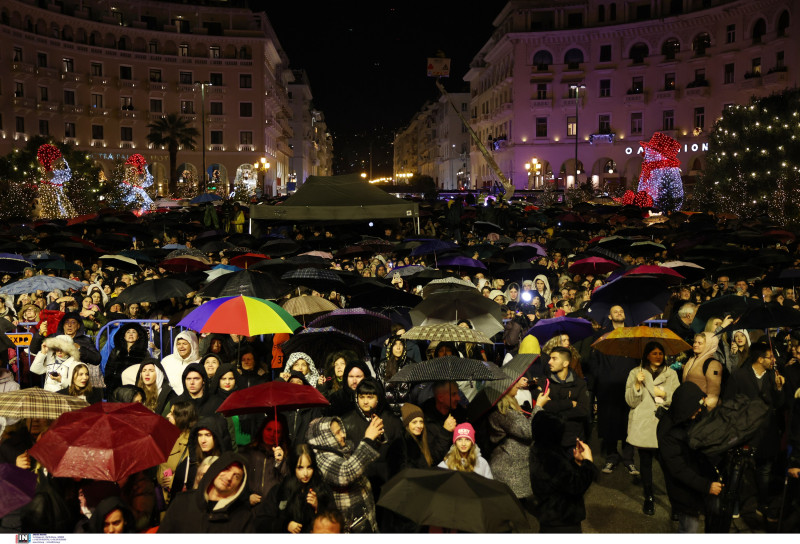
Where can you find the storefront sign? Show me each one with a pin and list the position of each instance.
(686, 148)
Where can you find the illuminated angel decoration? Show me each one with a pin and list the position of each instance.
(137, 177)
(246, 180)
(53, 201)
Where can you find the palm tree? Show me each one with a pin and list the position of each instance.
(173, 132)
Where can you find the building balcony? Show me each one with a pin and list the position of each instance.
(99, 81)
(127, 145)
(247, 147)
(216, 119)
(70, 77)
(129, 114)
(98, 143)
(636, 99)
(191, 117)
(186, 88)
(99, 112)
(215, 89)
(47, 72)
(155, 116)
(126, 83)
(542, 103)
(70, 141)
(775, 78)
(216, 147)
(696, 92)
(21, 136)
(23, 68)
(751, 81)
(47, 105)
(666, 95)
(66, 108)
(22, 102)
(568, 102)
(156, 86)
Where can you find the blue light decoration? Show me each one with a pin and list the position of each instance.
(136, 178)
(53, 203)
(661, 177)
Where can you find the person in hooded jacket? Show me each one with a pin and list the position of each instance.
(290, 507)
(298, 420)
(184, 352)
(559, 476)
(266, 458)
(370, 403)
(689, 475)
(152, 379)
(218, 505)
(195, 387)
(220, 345)
(211, 362)
(56, 357)
(208, 437)
(343, 466)
(112, 516)
(334, 371)
(342, 401)
(130, 348)
(396, 359)
(301, 362)
(222, 385)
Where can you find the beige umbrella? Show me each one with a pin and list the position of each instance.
(446, 332)
(35, 402)
(308, 307)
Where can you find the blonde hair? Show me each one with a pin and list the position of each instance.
(465, 463)
(151, 391)
(508, 402)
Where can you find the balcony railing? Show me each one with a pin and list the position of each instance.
(247, 147)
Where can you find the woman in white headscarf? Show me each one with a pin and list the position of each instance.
(542, 286)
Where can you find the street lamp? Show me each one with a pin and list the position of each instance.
(533, 168)
(263, 166)
(204, 182)
(577, 89)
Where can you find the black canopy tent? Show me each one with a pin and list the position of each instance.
(338, 198)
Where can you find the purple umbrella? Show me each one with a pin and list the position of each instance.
(362, 323)
(462, 263)
(13, 263)
(576, 328)
(17, 487)
(433, 246)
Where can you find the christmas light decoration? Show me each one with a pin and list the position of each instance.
(136, 177)
(54, 204)
(661, 175)
(245, 182)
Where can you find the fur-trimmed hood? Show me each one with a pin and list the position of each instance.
(65, 343)
(313, 374)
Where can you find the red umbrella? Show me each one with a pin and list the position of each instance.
(283, 395)
(668, 275)
(105, 441)
(593, 265)
(183, 264)
(244, 261)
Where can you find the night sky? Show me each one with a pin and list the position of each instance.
(366, 64)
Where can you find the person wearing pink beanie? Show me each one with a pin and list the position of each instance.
(465, 455)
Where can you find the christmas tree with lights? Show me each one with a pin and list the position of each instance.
(54, 173)
(661, 175)
(136, 178)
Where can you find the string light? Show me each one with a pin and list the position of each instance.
(661, 175)
(54, 203)
(135, 178)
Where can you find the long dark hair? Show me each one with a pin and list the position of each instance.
(649, 347)
(293, 491)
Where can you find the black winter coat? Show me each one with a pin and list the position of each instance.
(743, 381)
(562, 394)
(287, 502)
(191, 512)
(610, 374)
(688, 472)
(558, 484)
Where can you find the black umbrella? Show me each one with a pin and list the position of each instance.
(376, 297)
(309, 261)
(493, 391)
(518, 272)
(215, 246)
(448, 368)
(359, 322)
(319, 343)
(314, 278)
(279, 247)
(455, 500)
(740, 271)
(251, 283)
(154, 291)
(763, 315)
(788, 277)
(640, 297)
(732, 305)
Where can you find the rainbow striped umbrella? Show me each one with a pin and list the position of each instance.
(245, 316)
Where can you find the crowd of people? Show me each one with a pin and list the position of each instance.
(321, 469)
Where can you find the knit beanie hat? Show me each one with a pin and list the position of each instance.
(464, 430)
(409, 412)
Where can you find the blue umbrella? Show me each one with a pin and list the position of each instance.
(205, 197)
(36, 283)
(641, 298)
(576, 328)
(13, 263)
(462, 263)
(174, 246)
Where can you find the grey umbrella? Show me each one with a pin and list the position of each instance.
(451, 307)
(448, 368)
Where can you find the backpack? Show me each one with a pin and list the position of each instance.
(512, 334)
(732, 423)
